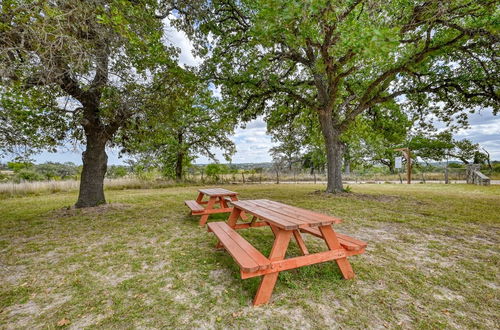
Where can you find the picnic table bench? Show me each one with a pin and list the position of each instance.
(285, 221)
(216, 197)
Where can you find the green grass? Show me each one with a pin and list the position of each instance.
(432, 262)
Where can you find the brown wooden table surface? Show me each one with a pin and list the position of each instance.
(285, 216)
(217, 192)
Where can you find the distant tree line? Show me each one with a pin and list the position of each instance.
(27, 171)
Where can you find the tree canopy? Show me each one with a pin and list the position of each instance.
(182, 120)
(338, 59)
(77, 70)
(335, 79)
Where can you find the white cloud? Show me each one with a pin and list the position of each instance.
(485, 130)
(252, 144)
(179, 39)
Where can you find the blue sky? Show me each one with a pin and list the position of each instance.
(252, 142)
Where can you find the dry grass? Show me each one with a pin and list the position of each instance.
(140, 262)
(10, 189)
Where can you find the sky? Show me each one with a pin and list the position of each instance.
(252, 142)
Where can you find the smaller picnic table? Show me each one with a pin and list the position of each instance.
(285, 221)
(216, 197)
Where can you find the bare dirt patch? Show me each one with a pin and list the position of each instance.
(360, 196)
(101, 209)
(12, 275)
(21, 315)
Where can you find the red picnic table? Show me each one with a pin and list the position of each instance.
(285, 221)
(216, 197)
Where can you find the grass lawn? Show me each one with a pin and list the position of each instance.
(432, 262)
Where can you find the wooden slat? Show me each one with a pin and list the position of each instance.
(244, 253)
(250, 225)
(326, 219)
(263, 214)
(343, 239)
(300, 242)
(277, 219)
(312, 231)
(296, 262)
(280, 216)
(347, 242)
(217, 192)
(310, 218)
(285, 216)
(194, 206)
(263, 203)
(258, 257)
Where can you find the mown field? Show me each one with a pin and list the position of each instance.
(142, 262)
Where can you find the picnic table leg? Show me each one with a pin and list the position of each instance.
(268, 281)
(233, 217)
(300, 242)
(199, 198)
(223, 203)
(210, 205)
(333, 244)
(235, 199)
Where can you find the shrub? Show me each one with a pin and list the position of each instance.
(28, 175)
(116, 171)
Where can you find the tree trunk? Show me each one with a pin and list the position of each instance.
(178, 166)
(95, 163)
(180, 157)
(334, 152)
(347, 160)
(347, 167)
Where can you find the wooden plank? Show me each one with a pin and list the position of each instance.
(326, 219)
(312, 231)
(233, 217)
(280, 215)
(333, 244)
(217, 192)
(268, 281)
(208, 209)
(344, 239)
(300, 242)
(258, 257)
(194, 206)
(253, 210)
(264, 214)
(263, 203)
(347, 242)
(283, 217)
(242, 251)
(199, 199)
(250, 225)
(296, 213)
(223, 210)
(296, 262)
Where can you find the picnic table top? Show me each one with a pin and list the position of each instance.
(217, 192)
(285, 216)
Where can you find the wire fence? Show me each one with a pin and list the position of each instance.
(436, 175)
(419, 175)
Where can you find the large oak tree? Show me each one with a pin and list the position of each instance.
(338, 59)
(77, 70)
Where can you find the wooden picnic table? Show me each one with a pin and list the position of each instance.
(218, 199)
(285, 221)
